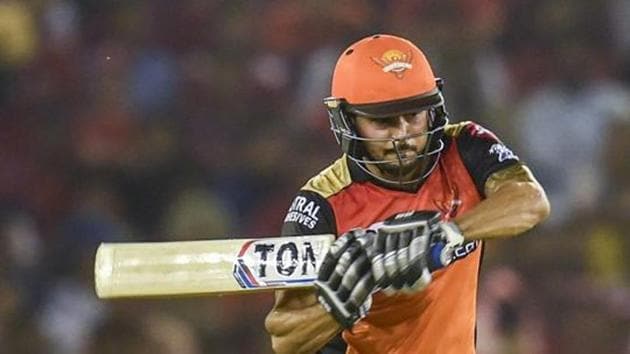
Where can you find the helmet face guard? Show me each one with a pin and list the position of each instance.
(342, 117)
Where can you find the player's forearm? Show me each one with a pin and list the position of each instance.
(512, 209)
(303, 329)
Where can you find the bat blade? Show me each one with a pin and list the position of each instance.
(214, 267)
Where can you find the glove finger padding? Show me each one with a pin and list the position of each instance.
(403, 259)
(377, 256)
(418, 274)
(360, 298)
(352, 275)
(332, 256)
(391, 254)
(344, 263)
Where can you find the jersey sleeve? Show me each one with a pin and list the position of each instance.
(309, 214)
(483, 153)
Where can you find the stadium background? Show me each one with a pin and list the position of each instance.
(174, 120)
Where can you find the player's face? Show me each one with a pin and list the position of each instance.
(412, 126)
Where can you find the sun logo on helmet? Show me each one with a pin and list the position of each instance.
(395, 62)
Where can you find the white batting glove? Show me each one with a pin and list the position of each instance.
(401, 253)
(345, 283)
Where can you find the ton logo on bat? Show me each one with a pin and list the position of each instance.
(270, 263)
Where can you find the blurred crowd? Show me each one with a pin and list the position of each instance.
(158, 120)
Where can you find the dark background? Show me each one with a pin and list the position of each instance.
(177, 120)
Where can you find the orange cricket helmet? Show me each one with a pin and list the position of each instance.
(382, 68)
(383, 76)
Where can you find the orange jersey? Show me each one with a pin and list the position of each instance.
(441, 318)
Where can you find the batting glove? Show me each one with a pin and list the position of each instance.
(345, 283)
(400, 254)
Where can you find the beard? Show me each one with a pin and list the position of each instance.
(409, 166)
(405, 161)
(395, 169)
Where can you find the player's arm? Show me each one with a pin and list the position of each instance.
(513, 202)
(298, 323)
(344, 289)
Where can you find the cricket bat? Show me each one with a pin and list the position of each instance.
(214, 267)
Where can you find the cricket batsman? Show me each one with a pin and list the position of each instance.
(412, 199)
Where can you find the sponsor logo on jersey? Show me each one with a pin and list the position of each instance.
(395, 62)
(503, 152)
(304, 212)
(281, 261)
(465, 249)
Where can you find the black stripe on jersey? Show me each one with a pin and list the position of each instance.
(309, 214)
(483, 153)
